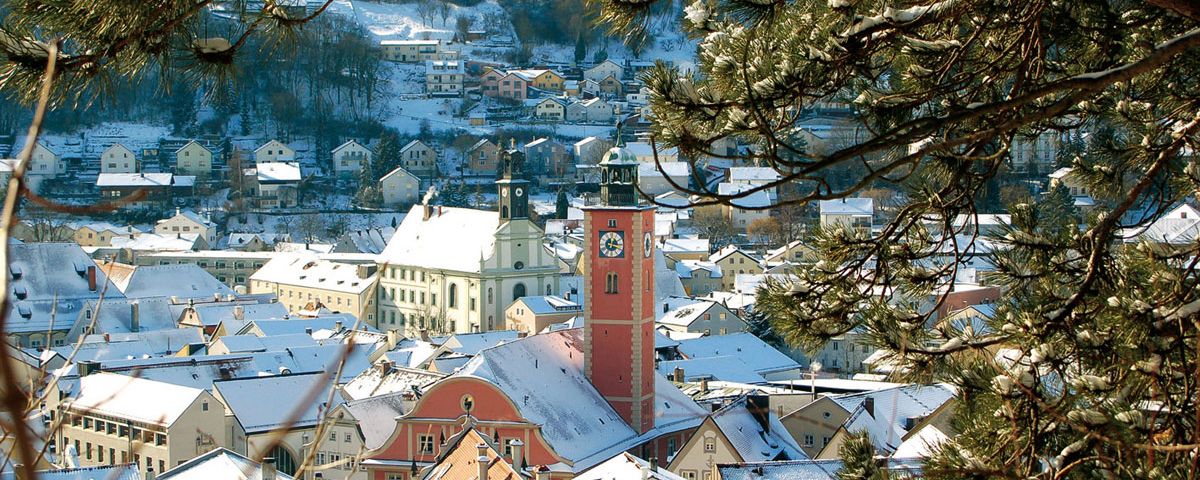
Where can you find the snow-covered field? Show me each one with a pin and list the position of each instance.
(392, 21)
(92, 141)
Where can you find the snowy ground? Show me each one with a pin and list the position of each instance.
(392, 21)
(266, 223)
(92, 141)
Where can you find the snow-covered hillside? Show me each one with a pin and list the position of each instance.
(396, 21)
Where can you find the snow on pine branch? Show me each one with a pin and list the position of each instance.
(894, 16)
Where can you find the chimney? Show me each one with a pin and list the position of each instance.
(91, 277)
(337, 326)
(308, 330)
(239, 312)
(393, 337)
(518, 453)
(424, 335)
(268, 468)
(704, 385)
(106, 338)
(427, 211)
(666, 307)
(135, 321)
(869, 406)
(150, 473)
(482, 461)
(543, 473)
(646, 472)
(678, 375)
(87, 367)
(760, 408)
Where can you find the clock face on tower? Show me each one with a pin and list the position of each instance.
(518, 191)
(647, 244)
(612, 244)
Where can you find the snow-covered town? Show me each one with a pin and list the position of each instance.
(443, 239)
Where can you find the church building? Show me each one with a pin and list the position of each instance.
(455, 270)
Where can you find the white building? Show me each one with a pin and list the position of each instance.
(274, 184)
(188, 222)
(419, 159)
(444, 77)
(193, 159)
(399, 187)
(274, 151)
(118, 159)
(349, 158)
(603, 70)
(853, 212)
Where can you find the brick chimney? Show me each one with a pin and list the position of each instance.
(91, 277)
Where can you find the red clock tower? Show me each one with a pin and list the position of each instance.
(619, 313)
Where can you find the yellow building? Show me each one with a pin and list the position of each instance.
(304, 282)
(733, 262)
(534, 314)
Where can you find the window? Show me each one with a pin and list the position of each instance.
(489, 295)
(518, 291)
(808, 440)
(333, 436)
(347, 438)
(612, 223)
(426, 444)
(710, 444)
(670, 447)
(610, 283)
(204, 406)
(452, 296)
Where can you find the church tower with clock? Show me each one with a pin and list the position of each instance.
(512, 186)
(619, 280)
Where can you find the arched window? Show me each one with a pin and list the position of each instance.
(452, 296)
(518, 291)
(548, 290)
(489, 295)
(284, 461)
(504, 211)
(610, 283)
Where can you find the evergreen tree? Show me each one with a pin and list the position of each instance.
(1090, 329)
(760, 326)
(387, 154)
(858, 459)
(561, 204)
(580, 48)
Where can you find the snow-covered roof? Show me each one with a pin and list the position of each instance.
(526, 369)
(399, 171)
(753, 174)
(348, 144)
(128, 397)
(625, 466)
(244, 397)
(219, 463)
(725, 368)
(848, 206)
(727, 251)
(201, 371)
(753, 442)
(190, 142)
(1061, 173)
(308, 271)
(886, 416)
(254, 343)
(443, 66)
(676, 170)
(211, 314)
(762, 357)
(376, 416)
(396, 379)
(270, 327)
(409, 42)
(473, 343)
(134, 180)
(685, 245)
(684, 315)
(372, 240)
(193, 216)
(757, 199)
(48, 281)
(184, 280)
(412, 144)
(277, 172)
(805, 470)
(549, 304)
(452, 238)
(922, 443)
(1179, 226)
(156, 242)
(161, 341)
(690, 268)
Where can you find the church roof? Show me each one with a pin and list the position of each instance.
(451, 238)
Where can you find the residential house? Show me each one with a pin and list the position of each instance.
(101, 234)
(856, 213)
(444, 77)
(886, 415)
(108, 416)
(753, 176)
(734, 261)
(284, 430)
(746, 430)
(699, 316)
(44, 165)
(483, 157)
(273, 184)
(534, 314)
(685, 249)
(736, 357)
(662, 178)
(151, 189)
(743, 211)
(1034, 153)
(188, 222)
(419, 159)
(794, 252)
(502, 84)
(592, 110)
(256, 242)
(1178, 229)
(349, 159)
(303, 282)
(548, 157)
(590, 151)
(611, 86)
(194, 159)
(1067, 178)
(118, 159)
(412, 51)
(274, 151)
(552, 109)
(699, 277)
(624, 465)
(542, 79)
(646, 153)
(399, 187)
(603, 70)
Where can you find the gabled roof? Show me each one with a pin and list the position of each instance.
(549, 304)
(397, 379)
(184, 280)
(480, 143)
(527, 368)
(190, 142)
(348, 144)
(460, 460)
(753, 174)
(126, 471)
(272, 142)
(308, 271)
(277, 172)
(452, 238)
(399, 171)
(848, 206)
(274, 343)
(124, 396)
(473, 343)
(135, 180)
(219, 463)
(412, 144)
(685, 315)
(48, 281)
(727, 251)
(752, 442)
(626, 466)
(760, 356)
(376, 416)
(886, 413)
(690, 268)
(244, 397)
